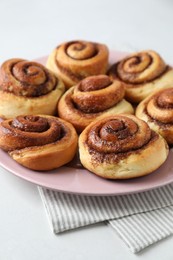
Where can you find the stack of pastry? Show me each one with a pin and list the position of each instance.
(43, 109)
(35, 140)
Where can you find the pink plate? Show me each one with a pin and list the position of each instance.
(80, 181)
(83, 182)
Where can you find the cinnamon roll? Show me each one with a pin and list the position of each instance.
(142, 73)
(2, 118)
(93, 98)
(157, 111)
(76, 60)
(28, 87)
(121, 147)
(38, 142)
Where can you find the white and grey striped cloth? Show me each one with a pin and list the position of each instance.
(139, 219)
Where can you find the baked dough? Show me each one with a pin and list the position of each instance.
(91, 99)
(157, 111)
(27, 87)
(121, 147)
(75, 60)
(142, 73)
(39, 142)
(2, 118)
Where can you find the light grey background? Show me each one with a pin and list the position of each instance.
(30, 29)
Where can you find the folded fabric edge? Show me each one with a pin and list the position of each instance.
(52, 217)
(141, 230)
(112, 223)
(49, 217)
(53, 224)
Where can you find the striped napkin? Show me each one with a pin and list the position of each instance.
(140, 219)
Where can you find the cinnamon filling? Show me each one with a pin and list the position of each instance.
(94, 83)
(119, 134)
(28, 79)
(81, 50)
(28, 131)
(98, 157)
(141, 68)
(76, 77)
(159, 108)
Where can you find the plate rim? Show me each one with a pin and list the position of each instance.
(113, 193)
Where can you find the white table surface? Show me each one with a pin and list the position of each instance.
(30, 29)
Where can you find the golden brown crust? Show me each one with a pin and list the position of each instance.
(27, 87)
(39, 142)
(2, 118)
(142, 73)
(76, 60)
(92, 98)
(121, 147)
(157, 111)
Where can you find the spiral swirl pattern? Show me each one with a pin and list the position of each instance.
(28, 131)
(118, 134)
(157, 111)
(81, 50)
(139, 67)
(121, 147)
(76, 60)
(38, 142)
(142, 74)
(26, 78)
(160, 106)
(93, 97)
(97, 93)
